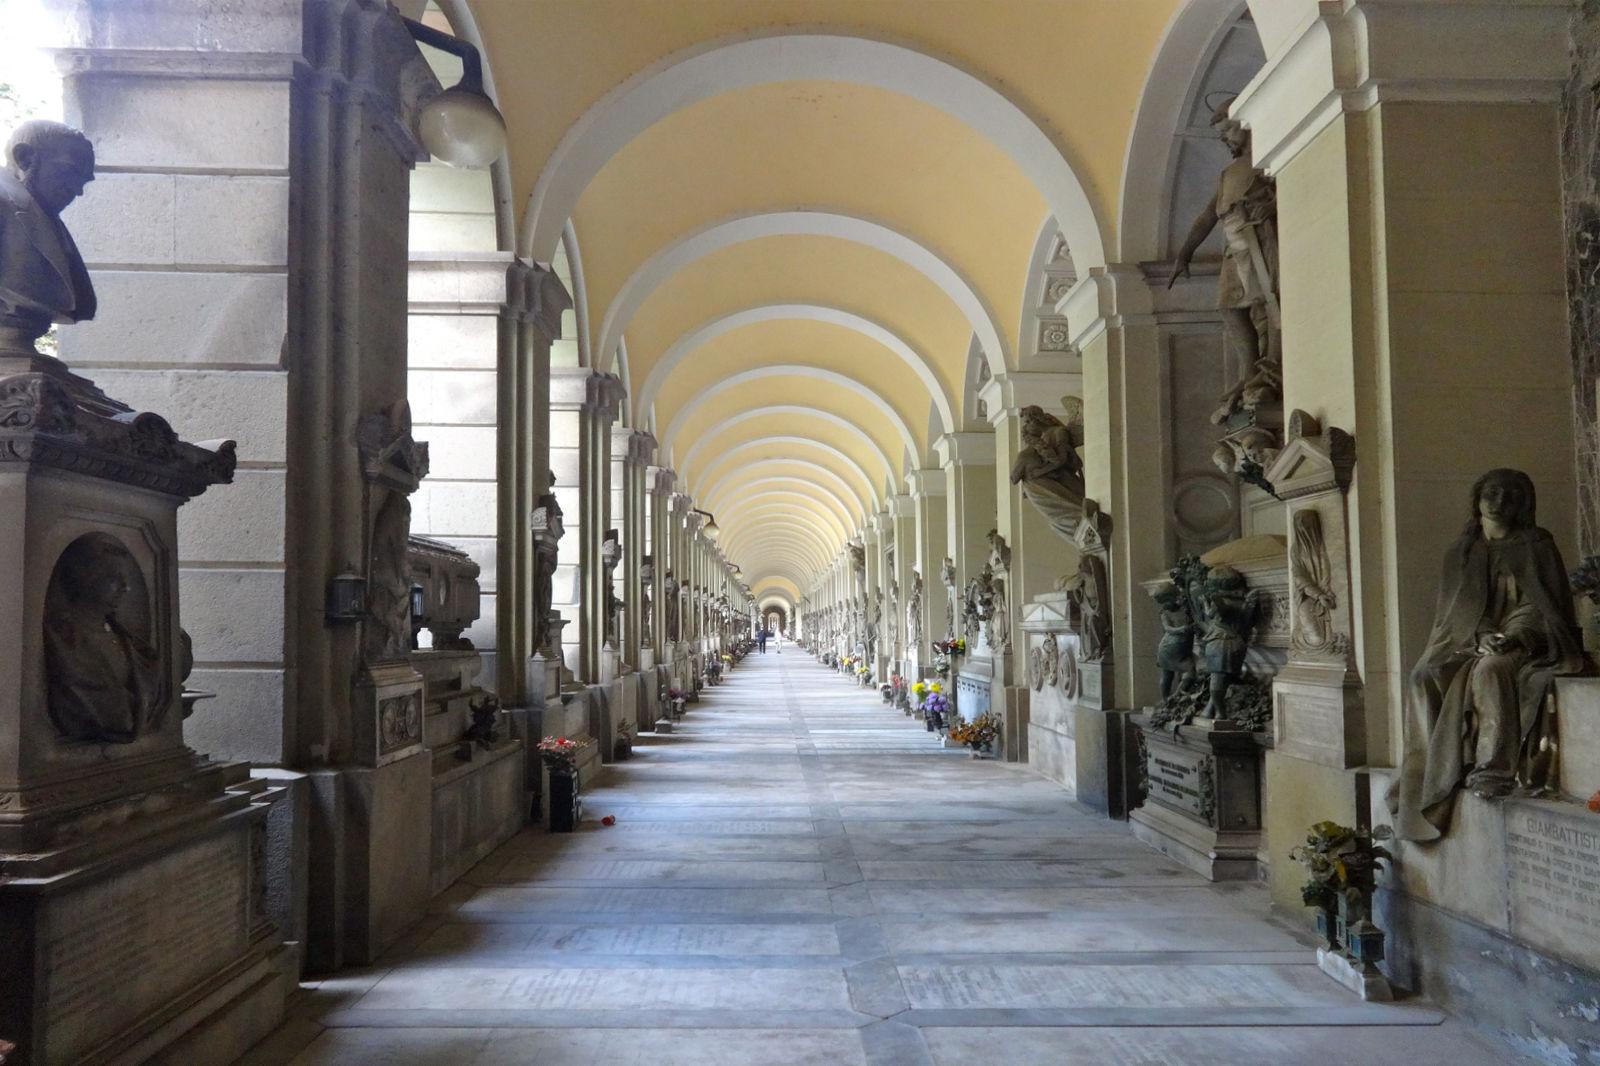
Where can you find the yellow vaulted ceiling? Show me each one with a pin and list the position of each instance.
(799, 251)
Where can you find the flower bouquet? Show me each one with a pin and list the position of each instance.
(934, 708)
(978, 734)
(559, 754)
(560, 757)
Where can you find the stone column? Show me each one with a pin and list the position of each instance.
(903, 519)
(1399, 149)
(929, 500)
(969, 468)
(583, 404)
(531, 323)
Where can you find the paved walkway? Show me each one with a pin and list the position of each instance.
(800, 875)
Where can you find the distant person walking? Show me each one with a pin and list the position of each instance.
(761, 640)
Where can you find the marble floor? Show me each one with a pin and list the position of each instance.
(799, 874)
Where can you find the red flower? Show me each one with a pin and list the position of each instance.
(1594, 803)
(609, 819)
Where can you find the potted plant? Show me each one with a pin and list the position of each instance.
(560, 757)
(679, 700)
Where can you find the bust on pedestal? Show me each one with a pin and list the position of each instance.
(117, 842)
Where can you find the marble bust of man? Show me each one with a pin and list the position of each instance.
(103, 670)
(42, 276)
(1504, 627)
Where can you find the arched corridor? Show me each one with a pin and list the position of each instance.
(799, 873)
(432, 428)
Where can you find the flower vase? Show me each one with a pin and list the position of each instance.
(563, 799)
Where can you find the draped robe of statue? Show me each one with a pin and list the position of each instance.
(1476, 716)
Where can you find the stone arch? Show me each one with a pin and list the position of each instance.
(864, 494)
(848, 427)
(827, 376)
(715, 67)
(810, 473)
(811, 223)
(684, 346)
(1189, 51)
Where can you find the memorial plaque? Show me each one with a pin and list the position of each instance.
(126, 945)
(1178, 779)
(1553, 850)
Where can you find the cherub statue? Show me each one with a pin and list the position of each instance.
(1228, 614)
(1175, 652)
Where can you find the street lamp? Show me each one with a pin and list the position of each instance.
(461, 126)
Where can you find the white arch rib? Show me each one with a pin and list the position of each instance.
(684, 346)
(832, 500)
(712, 68)
(827, 377)
(863, 494)
(781, 471)
(834, 420)
(719, 235)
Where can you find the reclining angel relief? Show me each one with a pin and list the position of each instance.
(1503, 629)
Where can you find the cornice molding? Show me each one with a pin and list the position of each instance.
(1358, 53)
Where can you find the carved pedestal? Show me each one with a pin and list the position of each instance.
(1202, 797)
(133, 915)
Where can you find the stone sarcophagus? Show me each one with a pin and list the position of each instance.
(1225, 634)
(445, 593)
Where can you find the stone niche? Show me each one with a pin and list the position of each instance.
(1076, 736)
(1201, 776)
(131, 868)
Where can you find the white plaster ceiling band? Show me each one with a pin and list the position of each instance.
(798, 568)
(866, 491)
(814, 496)
(782, 523)
(684, 346)
(789, 471)
(782, 527)
(715, 67)
(828, 496)
(792, 507)
(799, 501)
(849, 428)
(725, 234)
(827, 377)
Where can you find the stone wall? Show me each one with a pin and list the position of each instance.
(1580, 177)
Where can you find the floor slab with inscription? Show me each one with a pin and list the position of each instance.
(800, 874)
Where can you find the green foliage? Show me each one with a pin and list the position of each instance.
(1340, 861)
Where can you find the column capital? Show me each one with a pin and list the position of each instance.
(661, 479)
(1353, 56)
(1006, 394)
(902, 505)
(536, 295)
(632, 445)
(928, 482)
(968, 448)
(464, 283)
(578, 388)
